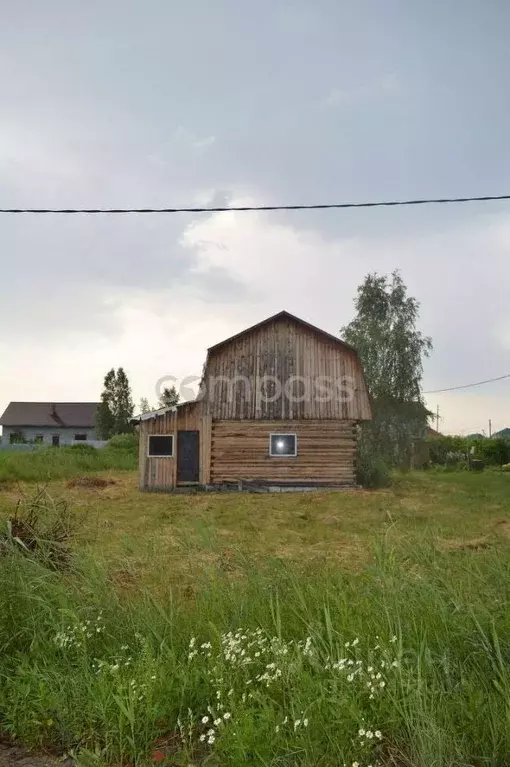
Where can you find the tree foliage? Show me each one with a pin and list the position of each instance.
(116, 407)
(169, 397)
(144, 406)
(391, 348)
(453, 449)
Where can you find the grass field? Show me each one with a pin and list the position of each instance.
(309, 629)
(47, 463)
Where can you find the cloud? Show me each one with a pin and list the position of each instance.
(204, 142)
(84, 124)
(287, 268)
(363, 92)
(187, 137)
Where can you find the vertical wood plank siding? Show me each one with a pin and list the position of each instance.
(232, 386)
(161, 473)
(326, 451)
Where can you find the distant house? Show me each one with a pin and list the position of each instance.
(279, 404)
(58, 423)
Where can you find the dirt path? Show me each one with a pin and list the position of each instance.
(15, 756)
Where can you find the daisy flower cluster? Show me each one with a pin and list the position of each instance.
(74, 637)
(123, 660)
(367, 743)
(120, 666)
(371, 673)
(245, 662)
(205, 730)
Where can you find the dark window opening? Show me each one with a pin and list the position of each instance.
(16, 437)
(282, 445)
(55, 440)
(80, 437)
(160, 445)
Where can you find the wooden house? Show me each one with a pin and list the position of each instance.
(278, 404)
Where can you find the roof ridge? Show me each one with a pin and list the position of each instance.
(279, 315)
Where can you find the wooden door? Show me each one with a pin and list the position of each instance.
(188, 456)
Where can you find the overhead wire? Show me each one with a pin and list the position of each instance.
(245, 208)
(467, 386)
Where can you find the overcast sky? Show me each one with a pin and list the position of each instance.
(164, 103)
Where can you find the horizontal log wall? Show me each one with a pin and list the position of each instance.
(326, 451)
(161, 473)
(234, 387)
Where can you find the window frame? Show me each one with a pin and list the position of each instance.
(80, 436)
(151, 455)
(283, 434)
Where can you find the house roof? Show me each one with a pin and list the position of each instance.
(283, 315)
(162, 411)
(56, 414)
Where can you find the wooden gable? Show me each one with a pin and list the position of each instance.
(284, 368)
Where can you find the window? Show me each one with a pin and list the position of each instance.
(38, 439)
(55, 440)
(283, 445)
(80, 437)
(161, 445)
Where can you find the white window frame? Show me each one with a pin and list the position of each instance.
(149, 454)
(283, 434)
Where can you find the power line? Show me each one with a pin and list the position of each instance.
(468, 386)
(243, 208)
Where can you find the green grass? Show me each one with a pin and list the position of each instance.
(427, 562)
(48, 463)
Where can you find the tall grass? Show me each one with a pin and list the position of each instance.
(396, 665)
(49, 463)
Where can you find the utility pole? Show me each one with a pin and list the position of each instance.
(490, 428)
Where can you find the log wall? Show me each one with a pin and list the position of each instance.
(326, 451)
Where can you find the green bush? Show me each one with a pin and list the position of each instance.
(495, 451)
(83, 447)
(451, 450)
(442, 449)
(127, 442)
(371, 470)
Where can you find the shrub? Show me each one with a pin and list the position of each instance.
(494, 451)
(83, 447)
(40, 528)
(371, 470)
(443, 448)
(127, 442)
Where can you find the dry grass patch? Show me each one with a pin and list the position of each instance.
(162, 539)
(90, 482)
(475, 544)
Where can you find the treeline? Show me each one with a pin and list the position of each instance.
(454, 450)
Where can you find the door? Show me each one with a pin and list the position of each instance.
(187, 456)
(55, 440)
